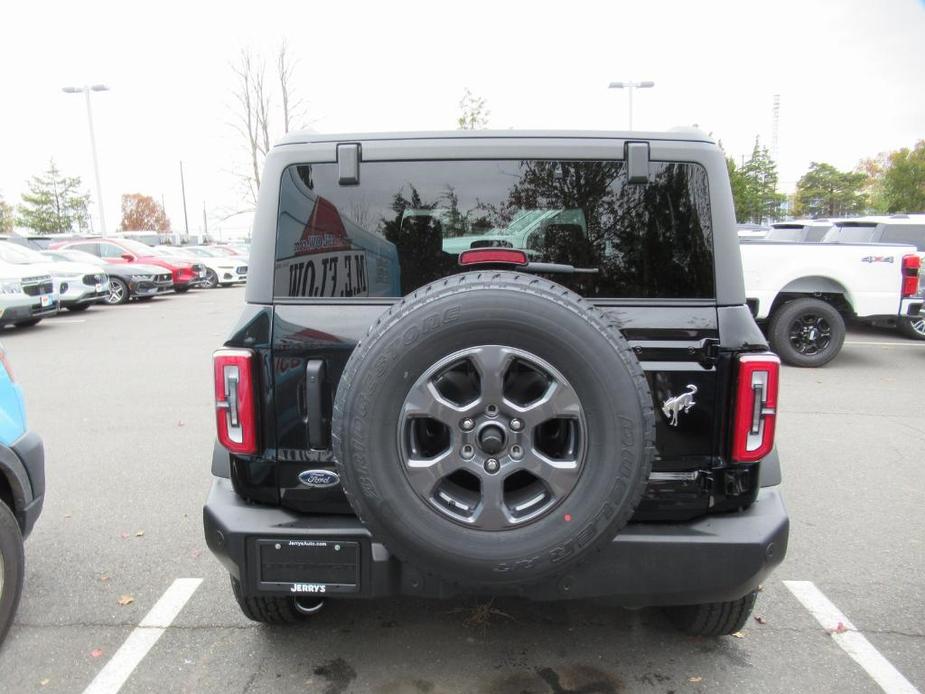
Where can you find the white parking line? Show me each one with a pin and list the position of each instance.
(885, 344)
(850, 639)
(110, 679)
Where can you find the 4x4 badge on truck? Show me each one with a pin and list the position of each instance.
(674, 406)
(319, 479)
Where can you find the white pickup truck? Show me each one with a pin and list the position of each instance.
(803, 293)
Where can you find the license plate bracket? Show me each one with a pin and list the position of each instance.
(307, 567)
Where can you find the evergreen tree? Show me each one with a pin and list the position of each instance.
(54, 203)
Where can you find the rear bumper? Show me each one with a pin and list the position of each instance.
(712, 559)
(22, 464)
(911, 307)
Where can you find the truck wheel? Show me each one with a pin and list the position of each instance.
(913, 328)
(12, 560)
(713, 618)
(493, 429)
(273, 610)
(807, 332)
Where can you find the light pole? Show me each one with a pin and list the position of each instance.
(629, 87)
(85, 90)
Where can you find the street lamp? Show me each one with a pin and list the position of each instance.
(629, 87)
(85, 90)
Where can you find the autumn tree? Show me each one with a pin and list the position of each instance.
(54, 203)
(6, 217)
(255, 100)
(473, 112)
(824, 191)
(143, 213)
(903, 183)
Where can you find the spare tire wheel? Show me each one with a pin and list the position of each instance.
(493, 428)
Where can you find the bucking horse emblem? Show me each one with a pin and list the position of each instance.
(674, 406)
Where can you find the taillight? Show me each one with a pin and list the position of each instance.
(911, 265)
(481, 256)
(755, 407)
(235, 405)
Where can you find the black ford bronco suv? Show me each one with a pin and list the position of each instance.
(497, 363)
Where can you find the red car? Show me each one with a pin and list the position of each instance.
(185, 275)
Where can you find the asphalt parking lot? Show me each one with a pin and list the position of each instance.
(122, 397)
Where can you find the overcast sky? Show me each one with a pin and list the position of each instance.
(850, 77)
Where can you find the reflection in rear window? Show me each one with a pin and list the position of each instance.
(406, 223)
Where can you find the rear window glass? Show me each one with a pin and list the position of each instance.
(406, 223)
(912, 234)
(785, 234)
(850, 234)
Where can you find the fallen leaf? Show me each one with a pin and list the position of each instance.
(760, 588)
(738, 635)
(197, 553)
(96, 652)
(760, 619)
(140, 533)
(840, 628)
(123, 535)
(67, 515)
(126, 600)
(104, 578)
(695, 680)
(180, 423)
(44, 681)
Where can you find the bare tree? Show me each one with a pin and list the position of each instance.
(254, 108)
(285, 70)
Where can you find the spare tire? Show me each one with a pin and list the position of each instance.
(493, 428)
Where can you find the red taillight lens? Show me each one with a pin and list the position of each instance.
(911, 265)
(755, 407)
(481, 256)
(235, 406)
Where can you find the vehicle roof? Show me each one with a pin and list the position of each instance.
(799, 223)
(678, 135)
(889, 219)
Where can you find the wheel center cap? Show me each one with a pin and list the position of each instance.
(491, 439)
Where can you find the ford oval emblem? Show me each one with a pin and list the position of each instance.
(319, 479)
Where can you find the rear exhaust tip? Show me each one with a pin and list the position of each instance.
(308, 607)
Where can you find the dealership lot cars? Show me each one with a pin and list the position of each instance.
(128, 470)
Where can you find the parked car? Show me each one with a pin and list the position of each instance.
(78, 285)
(25, 297)
(126, 281)
(220, 269)
(185, 274)
(900, 228)
(804, 293)
(592, 416)
(41, 241)
(22, 479)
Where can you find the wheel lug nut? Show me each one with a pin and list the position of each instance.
(467, 424)
(516, 425)
(492, 466)
(467, 451)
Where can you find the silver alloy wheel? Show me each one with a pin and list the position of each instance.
(492, 437)
(918, 325)
(211, 280)
(116, 292)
